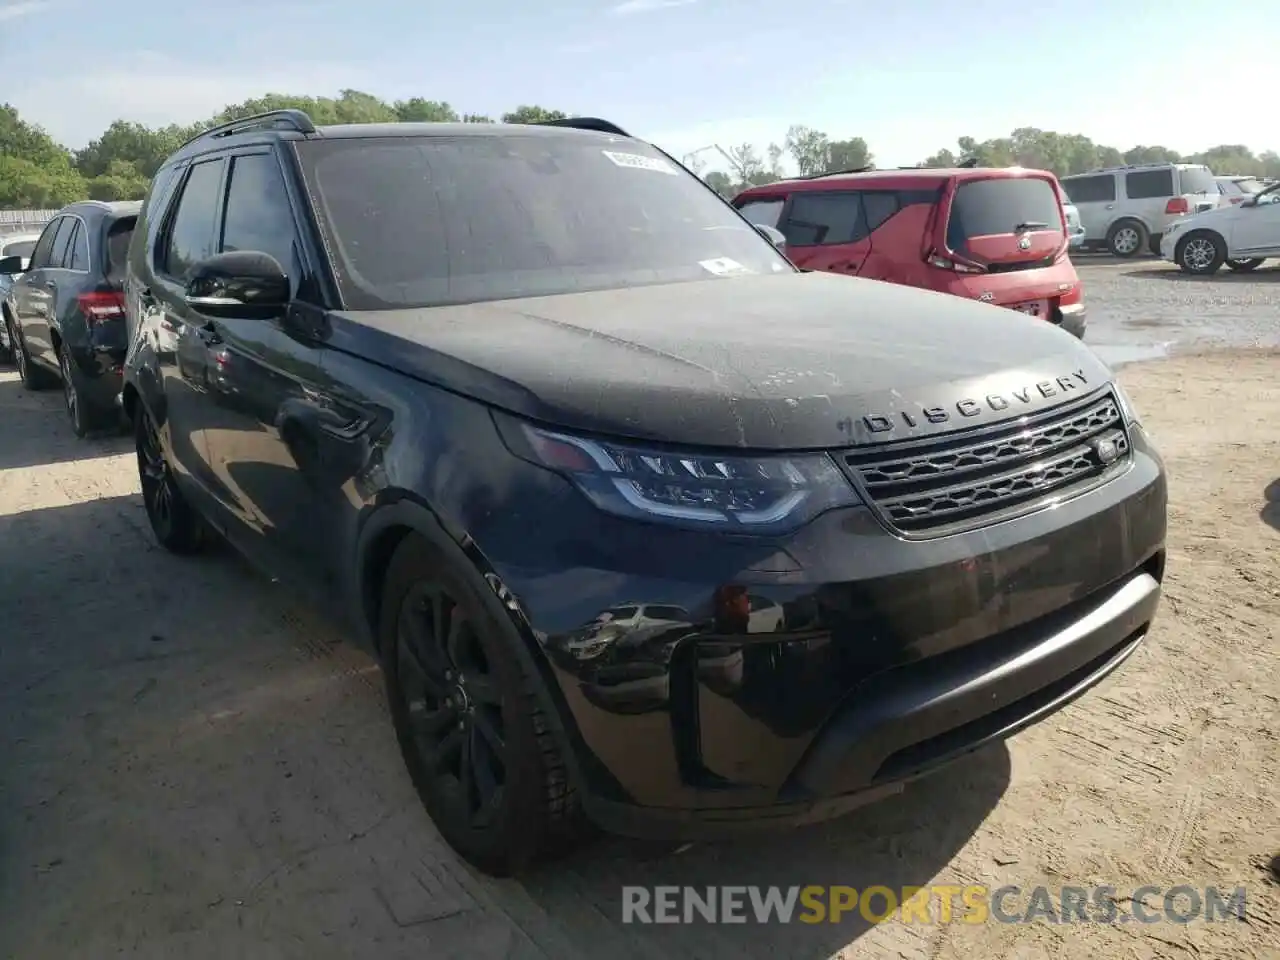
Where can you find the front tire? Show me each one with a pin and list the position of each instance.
(32, 376)
(84, 420)
(176, 525)
(1127, 238)
(1245, 266)
(1201, 253)
(477, 745)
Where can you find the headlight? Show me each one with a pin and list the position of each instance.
(1126, 405)
(738, 494)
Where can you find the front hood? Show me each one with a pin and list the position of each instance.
(796, 361)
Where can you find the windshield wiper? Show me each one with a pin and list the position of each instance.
(1030, 225)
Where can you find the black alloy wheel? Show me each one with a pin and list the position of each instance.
(452, 703)
(174, 523)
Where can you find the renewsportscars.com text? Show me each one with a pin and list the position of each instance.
(942, 903)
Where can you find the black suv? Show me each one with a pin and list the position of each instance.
(64, 316)
(642, 523)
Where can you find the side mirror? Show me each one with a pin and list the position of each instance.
(773, 235)
(13, 265)
(243, 283)
(1249, 202)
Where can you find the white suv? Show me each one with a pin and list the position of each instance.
(1127, 208)
(1241, 236)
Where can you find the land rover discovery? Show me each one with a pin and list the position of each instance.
(646, 526)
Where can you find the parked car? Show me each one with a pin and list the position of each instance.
(618, 393)
(66, 312)
(994, 235)
(1236, 190)
(1242, 237)
(1125, 209)
(1075, 229)
(20, 246)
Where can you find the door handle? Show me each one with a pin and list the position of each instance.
(1111, 206)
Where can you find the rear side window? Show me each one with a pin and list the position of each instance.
(1003, 205)
(116, 251)
(819, 219)
(764, 212)
(191, 234)
(62, 242)
(1149, 184)
(1199, 180)
(660, 612)
(1100, 189)
(79, 255)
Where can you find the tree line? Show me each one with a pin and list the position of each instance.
(36, 172)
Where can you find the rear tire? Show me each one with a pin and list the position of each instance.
(176, 525)
(84, 419)
(1201, 253)
(1127, 238)
(479, 749)
(1245, 266)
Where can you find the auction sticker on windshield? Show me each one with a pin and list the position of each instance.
(637, 161)
(723, 267)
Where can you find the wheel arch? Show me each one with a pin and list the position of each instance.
(403, 514)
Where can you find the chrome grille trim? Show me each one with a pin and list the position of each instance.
(955, 482)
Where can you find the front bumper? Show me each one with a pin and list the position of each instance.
(99, 364)
(754, 684)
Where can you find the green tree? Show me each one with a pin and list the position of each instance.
(810, 149)
(418, 110)
(720, 182)
(26, 185)
(851, 154)
(122, 180)
(529, 114)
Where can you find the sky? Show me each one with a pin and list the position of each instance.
(909, 76)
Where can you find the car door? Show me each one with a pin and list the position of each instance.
(1256, 229)
(186, 236)
(68, 278)
(20, 293)
(1147, 194)
(36, 291)
(826, 230)
(263, 440)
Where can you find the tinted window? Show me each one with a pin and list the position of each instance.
(619, 613)
(1149, 184)
(258, 216)
(1196, 180)
(116, 252)
(1101, 189)
(1004, 205)
(762, 211)
(80, 250)
(824, 218)
(22, 248)
(44, 246)
(878, 207)
(191, 234)
(423, 221)
(62, 242)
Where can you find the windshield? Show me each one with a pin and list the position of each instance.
(1198, 180)
(1003, 205)
(19, 248)
(428, 221)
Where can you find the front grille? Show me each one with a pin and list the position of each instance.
(964, 480)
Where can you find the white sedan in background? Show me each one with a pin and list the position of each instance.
(1241, 236)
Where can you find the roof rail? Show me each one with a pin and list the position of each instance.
(834, 173)
(293, 119)
(588, 123)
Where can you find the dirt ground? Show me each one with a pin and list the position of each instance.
(191, 765)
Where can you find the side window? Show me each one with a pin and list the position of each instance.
(878, 207)
(258, 216)
(1099, 189)
(1149, 184)
(43, 252)
(817, 219)
(79, 257)
(764, 211)
(191, 234)
(61, 243)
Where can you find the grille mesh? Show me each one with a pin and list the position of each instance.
(953, 483)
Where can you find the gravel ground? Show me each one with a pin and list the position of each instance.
(193, 765)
